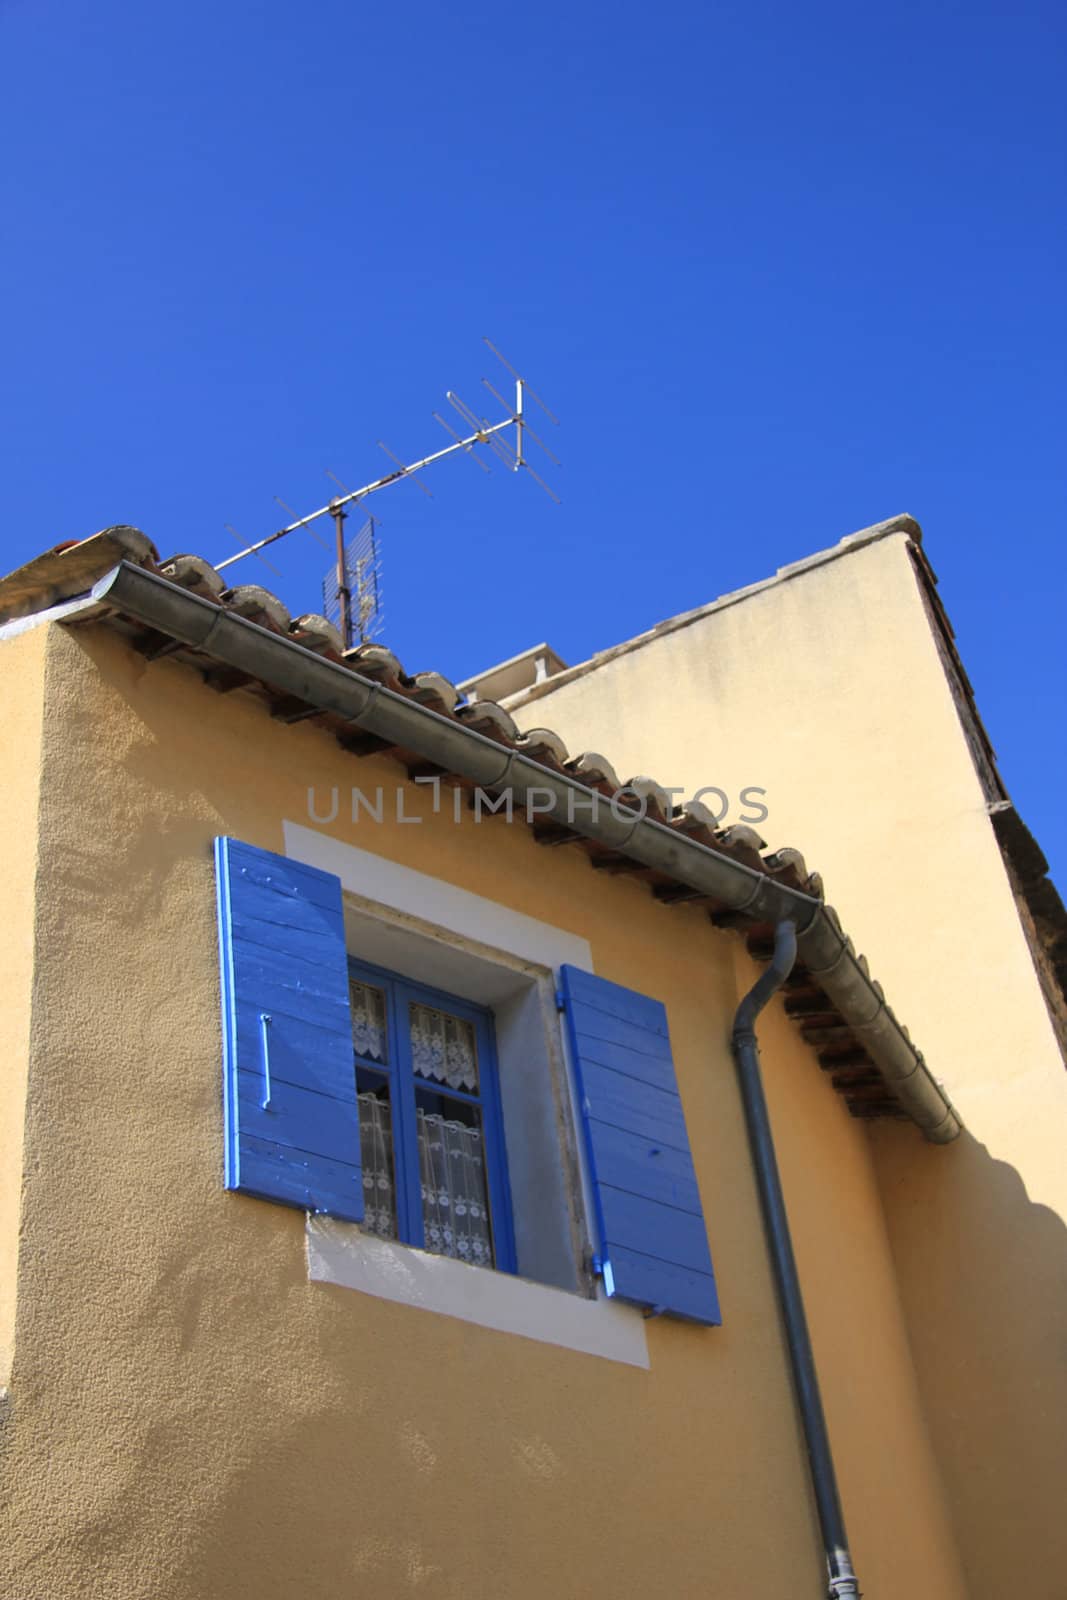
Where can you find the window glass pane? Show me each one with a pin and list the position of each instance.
(368, 1020)
(443, 1048)
(455, 1202)
(376, 1148)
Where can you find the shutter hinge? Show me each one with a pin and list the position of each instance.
(561, 1003)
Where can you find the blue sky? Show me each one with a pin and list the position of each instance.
(782, 271)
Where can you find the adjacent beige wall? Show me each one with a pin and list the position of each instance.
(827, 690)
(193, 1418)
(20, 763)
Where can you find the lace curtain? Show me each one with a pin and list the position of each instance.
(455, 1210)
(455, 1206)
(376, 1149)
(443, 1048)
(368, 1020)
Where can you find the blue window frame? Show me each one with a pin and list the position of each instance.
(431, 1124)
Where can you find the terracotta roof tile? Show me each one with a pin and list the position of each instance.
(193, 572)
(541, 744)
(489, 718)
(258, 605)
(431, 689)
(316, 633)
(374, 661)
(595, 770)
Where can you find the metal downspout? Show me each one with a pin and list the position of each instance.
(841, 1580)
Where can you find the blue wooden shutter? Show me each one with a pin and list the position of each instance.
(654, 1247)
(292, 1122)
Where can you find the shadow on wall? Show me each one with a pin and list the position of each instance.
(983, 1275)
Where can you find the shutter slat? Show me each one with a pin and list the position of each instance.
(621, 1033)
(282, 948)
(262, 908)
(679, 1290)
(276, 1172)
(296, 1117)
(637, 1223)
(278, 875)
(624, 1005)
(302, 972)
(654, 1246)
(633, 1106)
(301, 1048)
(657, 1069)
(647, 1167)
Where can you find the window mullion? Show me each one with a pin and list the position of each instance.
(409, 1177)
(452, 1094)
(496, 1166)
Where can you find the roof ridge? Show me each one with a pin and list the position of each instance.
(901, 523)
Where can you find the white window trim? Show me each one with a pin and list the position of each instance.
(341, 1253)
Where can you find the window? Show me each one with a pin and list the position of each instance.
(430, 1125)
(365, 1096)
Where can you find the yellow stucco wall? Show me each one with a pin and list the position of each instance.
(20, 762)
(827, 690)
(193, 1418)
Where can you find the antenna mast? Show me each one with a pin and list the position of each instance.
(344, 589)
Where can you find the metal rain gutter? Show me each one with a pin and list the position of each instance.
(825, 950)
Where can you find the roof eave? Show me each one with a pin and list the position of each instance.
(243, 646)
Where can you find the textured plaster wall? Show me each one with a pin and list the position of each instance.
(827, 690)
(20, 765)
(193, 1418)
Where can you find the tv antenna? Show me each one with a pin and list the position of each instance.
(352, 592)
(355, 581)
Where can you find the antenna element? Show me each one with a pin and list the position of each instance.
(364, 544)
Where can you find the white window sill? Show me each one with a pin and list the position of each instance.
(341, 1253)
